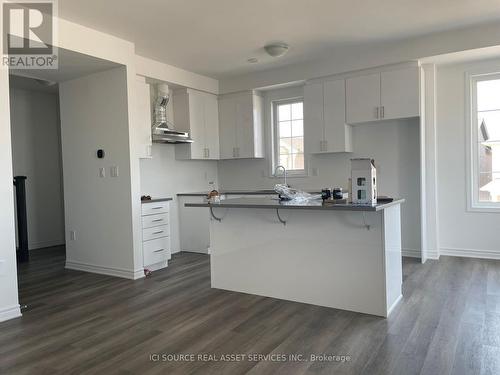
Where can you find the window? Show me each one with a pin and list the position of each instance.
(485, 141)
(289, 135)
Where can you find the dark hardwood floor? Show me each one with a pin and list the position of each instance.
(76, 323)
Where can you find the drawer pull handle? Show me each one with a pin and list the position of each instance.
(159, 232)
(156, 208)
(158, 251)
(154, 221)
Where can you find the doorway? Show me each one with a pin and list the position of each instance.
(38, 154)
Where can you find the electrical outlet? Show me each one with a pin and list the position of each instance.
(72, 235)
(102, 172)
(2, 267)
(114, 171)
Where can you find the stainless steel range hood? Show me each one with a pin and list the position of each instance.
(163, 130)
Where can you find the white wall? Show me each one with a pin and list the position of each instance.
(350, 58)
(9, 303)
(36, 153)
(163, 176)
(461, 232)
(393, 144)
(94, 115)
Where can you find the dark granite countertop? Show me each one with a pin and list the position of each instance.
(275, 203)
(231, 192)
(239, 192)
(157, 200)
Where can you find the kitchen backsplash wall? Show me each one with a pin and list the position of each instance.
(393, 144)
(164, 176)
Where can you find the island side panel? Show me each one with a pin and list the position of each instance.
(325, 258)
(393, 260)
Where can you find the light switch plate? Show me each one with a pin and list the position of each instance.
(315, 171)
(72, 235)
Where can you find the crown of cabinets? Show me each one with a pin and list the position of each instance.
(241, 131)
(143, 117)
(197, 112)
(324, 118)
(382, 96)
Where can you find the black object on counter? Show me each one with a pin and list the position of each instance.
(326, 194)
(337, 193)
(23, 254)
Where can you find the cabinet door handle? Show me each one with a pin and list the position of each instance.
(382, 112)
(158, 251)
(159, 232)
(376, 112)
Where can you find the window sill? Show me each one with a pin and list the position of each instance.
(289, 175)
(484, 209)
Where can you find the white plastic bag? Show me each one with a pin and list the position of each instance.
(298, 196)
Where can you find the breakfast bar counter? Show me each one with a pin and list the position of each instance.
(341, 256)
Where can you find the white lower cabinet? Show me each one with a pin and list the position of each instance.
(155, 235)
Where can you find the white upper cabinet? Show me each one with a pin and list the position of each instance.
(197, 112)
(324, 118)
(227, 128)
(337, 132)
(387, 95)
(314, 127)
(212, 127)
(363, 98)
(143, 117)
(240, 127)
(400, 93)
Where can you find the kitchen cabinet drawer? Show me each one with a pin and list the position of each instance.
(156, 251)
(155, 232)
(154, 208)
(151, 221)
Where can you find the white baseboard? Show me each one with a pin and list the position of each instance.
(43, 244)
(110, 271)
(391, 308)
(10, 313)
(470, 253)
(411, 253)
(414, 253)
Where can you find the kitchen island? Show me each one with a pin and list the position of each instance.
(343, 256)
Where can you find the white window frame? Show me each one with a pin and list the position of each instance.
(472, 132)
(275, 138)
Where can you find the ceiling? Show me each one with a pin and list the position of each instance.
(217, 37)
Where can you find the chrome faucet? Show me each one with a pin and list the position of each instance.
(284, 172)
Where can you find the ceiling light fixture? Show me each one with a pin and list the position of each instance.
(276, 49)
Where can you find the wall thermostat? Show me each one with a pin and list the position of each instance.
(100, 154)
